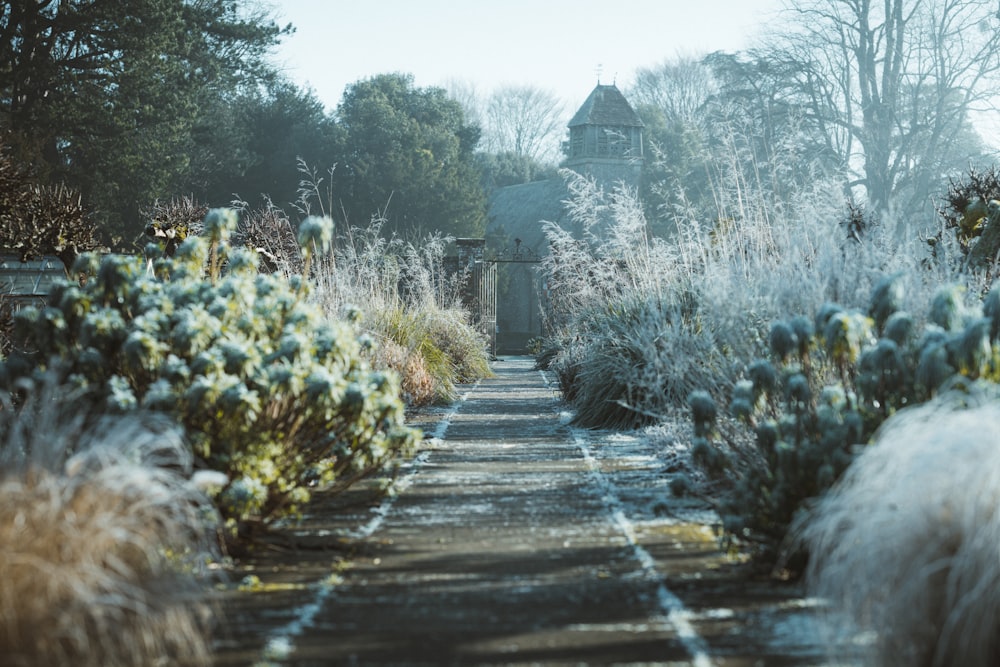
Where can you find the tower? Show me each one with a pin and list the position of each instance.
(605, 138)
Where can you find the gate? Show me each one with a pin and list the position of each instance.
(480, 289)
(519, 321)
(519, 316)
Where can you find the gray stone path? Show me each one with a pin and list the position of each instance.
(514, 539)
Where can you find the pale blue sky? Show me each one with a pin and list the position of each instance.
(556, 45)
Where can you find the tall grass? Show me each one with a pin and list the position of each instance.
(103, 538)
(641, 322)
(410, 302)
(619, 303)
(907, 546)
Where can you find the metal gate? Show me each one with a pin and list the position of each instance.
(480, 292)
(480, 289)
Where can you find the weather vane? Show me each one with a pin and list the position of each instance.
(598, 70)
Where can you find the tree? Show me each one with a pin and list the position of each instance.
(406, 153)
(525, 121)
(894, 84)
(763, 122)
(670, 99)
(725, 124)
(499, 170)
(251, 146)
(678, 88)
(104, 94)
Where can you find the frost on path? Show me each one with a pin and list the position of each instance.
(514, 538)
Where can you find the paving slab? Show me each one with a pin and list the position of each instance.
(513, 538)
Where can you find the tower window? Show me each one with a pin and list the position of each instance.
(576, 142)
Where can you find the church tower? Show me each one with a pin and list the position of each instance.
(605, 139)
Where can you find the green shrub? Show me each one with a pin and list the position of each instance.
(830, 384)
(269, 391)
(412, 330)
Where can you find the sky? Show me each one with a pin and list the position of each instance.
(561, 46)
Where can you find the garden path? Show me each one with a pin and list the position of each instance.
(513, 538)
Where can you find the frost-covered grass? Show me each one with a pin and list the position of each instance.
(103, 538)
(907, 545)
(410, 304)
(641, 322)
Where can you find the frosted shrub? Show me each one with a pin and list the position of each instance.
(828, 386)
(636, 359)
(906, 546)
(103, 537)
(711, 294)
(633, 337)
(270, 391)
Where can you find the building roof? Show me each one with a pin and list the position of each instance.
(521, 209)
(606, 106)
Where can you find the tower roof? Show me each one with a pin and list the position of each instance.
(606, 106)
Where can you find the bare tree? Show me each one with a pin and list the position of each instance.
(678, 87)
(466, 94)
(894, 84)
(525, 121)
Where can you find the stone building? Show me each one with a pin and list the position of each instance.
(605, 139)
(606, 144)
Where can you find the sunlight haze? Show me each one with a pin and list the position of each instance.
(556, 45)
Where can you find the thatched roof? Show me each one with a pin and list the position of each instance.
(606, 106)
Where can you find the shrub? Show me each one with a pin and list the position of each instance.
(634, 360)
(411, 303)
(103, 537)
(905, 545)
(418, 385)
(828, 387)
(270, 392)
(964, 210)
(37, 220)
(171, 223)
(410, 329)
(269, 232)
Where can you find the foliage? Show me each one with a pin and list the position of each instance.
(905, 545)
(37, 220)
(410, 301)
(270, 392)
(407, 156)
(966, 213)
(103, 536)
(115, 98)
(252, 144)
(498, 170)
(831, 382)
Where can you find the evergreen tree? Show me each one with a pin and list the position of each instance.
(105, 95)
(406, 153)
